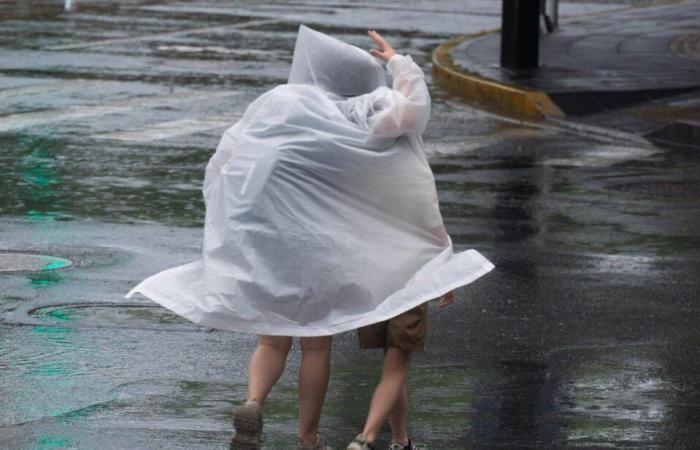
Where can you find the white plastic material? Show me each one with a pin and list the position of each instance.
(321, 209)
(334, 65)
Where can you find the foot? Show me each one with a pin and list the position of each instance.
(247, 420)
(319, 445)
(360, 443)
(399, 446)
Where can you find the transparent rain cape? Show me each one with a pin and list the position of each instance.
(321, 209)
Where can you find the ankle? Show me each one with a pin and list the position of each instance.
(401, 440)
(370, 437)
(309, 439)
(253, 400)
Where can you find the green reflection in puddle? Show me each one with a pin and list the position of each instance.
(64, 315)
(57, 335)
(37, 215)
(447, 394)
(44, 279)
(51, 369)
(283, 406)
(51, 441)
(81, 413)
(39, 177)
(54, 262)
(43, 329)
(442, 398)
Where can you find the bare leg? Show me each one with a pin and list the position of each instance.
(267, 365)
(389, 390)
(313, 383)
(397, 419)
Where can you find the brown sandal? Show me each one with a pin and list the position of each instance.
(247, 420)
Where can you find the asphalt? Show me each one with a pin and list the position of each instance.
(584, 336)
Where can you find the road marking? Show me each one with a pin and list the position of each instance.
(18, 121)
(166, 130)
(150, 37)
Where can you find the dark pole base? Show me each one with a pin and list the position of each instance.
(520, 34)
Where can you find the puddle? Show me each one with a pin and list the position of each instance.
(25, 262)
(180, 401)
(112, 315)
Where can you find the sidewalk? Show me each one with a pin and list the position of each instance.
(589, 67)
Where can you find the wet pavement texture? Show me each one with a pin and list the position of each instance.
(670, 122)
(585, 334)
(593, 64)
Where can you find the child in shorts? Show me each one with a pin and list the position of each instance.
(399, 337)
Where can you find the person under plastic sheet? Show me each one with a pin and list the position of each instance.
(322, 213)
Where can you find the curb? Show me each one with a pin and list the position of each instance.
(504, 98)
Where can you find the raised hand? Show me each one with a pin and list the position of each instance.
(385, 51)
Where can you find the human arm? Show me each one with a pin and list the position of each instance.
(403, 109)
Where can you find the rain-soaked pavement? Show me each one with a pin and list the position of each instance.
(585, 335)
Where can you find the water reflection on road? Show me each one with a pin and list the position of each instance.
(584, 335)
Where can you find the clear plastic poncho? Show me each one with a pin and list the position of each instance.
(321, 209)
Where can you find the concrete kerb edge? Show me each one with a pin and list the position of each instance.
(505, 98)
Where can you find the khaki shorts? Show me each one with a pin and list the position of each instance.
(406, 331)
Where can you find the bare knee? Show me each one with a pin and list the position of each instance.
(315, 344)
(397, 360)
(278, 343)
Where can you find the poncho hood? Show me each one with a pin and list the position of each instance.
(334, 65)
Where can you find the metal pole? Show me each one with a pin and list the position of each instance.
(553, 12)
(520, 33)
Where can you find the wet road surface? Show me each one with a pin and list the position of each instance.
(585, 335)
